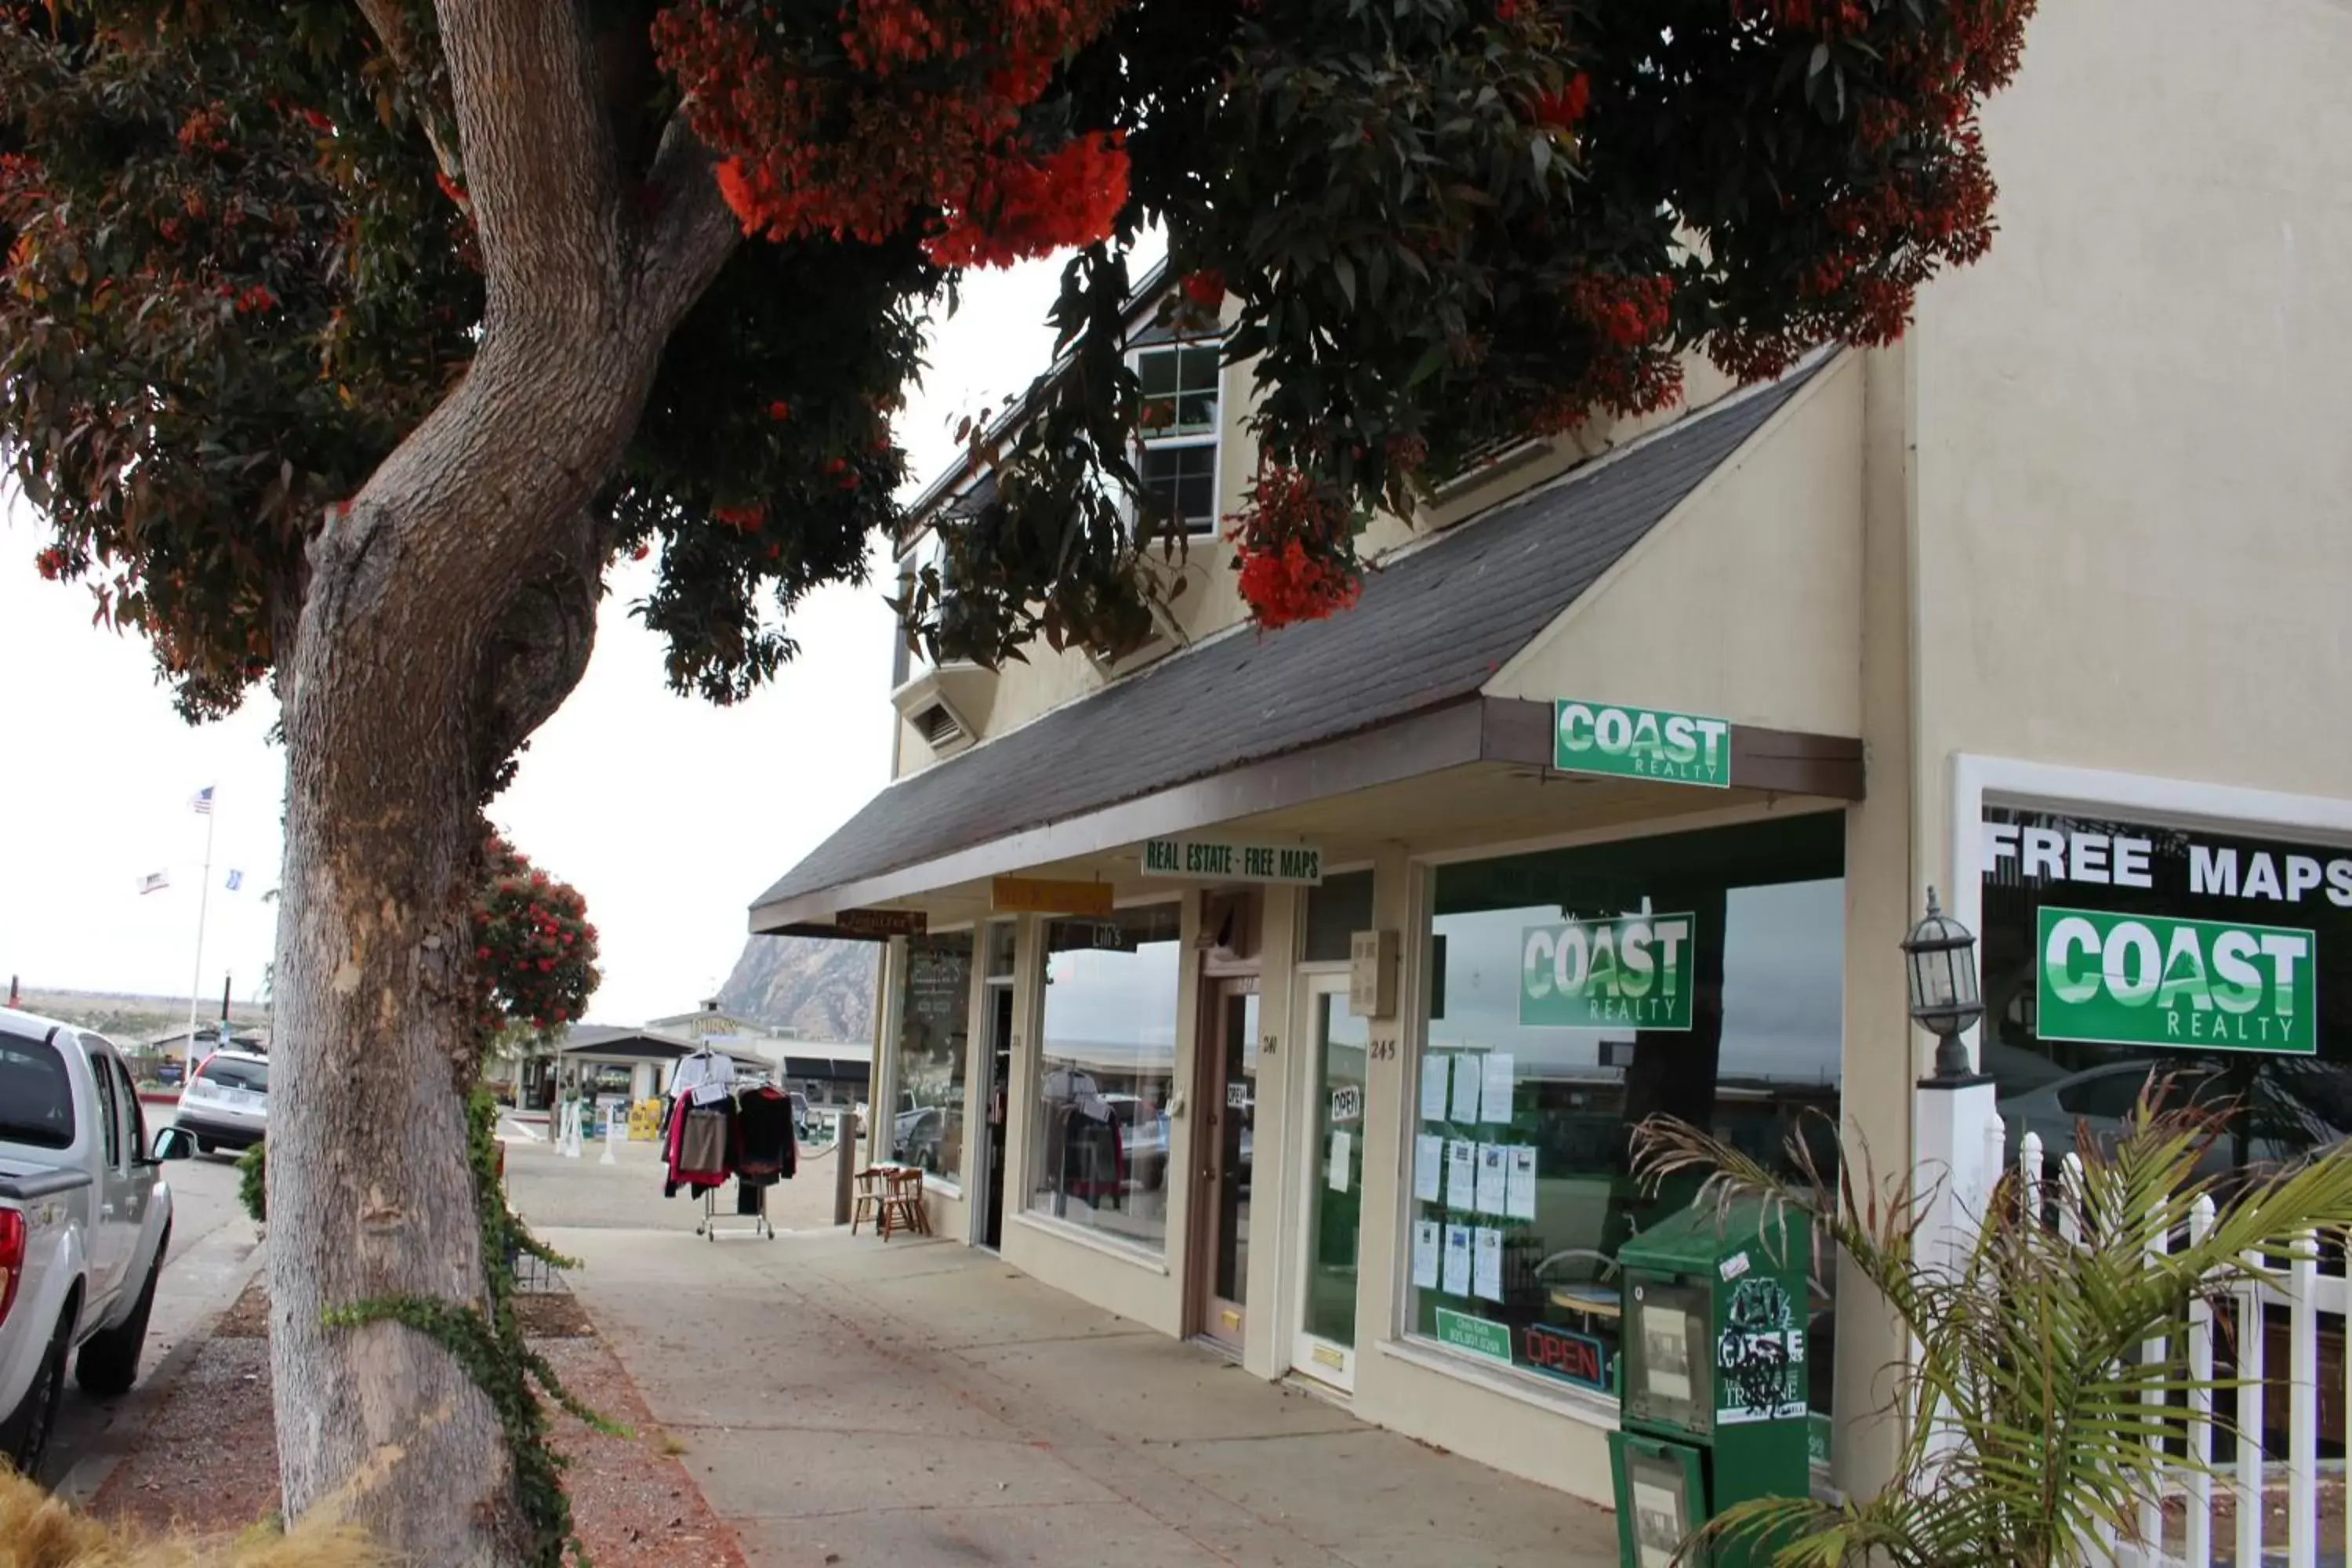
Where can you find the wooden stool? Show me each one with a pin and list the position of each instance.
(902, 1202)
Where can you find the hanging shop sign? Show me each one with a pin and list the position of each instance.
(1033, 896)
(1640, 743)
(2144, 979)
(1215, 860)
(1635, 972)
(881, 923)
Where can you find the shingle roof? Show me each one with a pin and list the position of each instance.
(1429, 629)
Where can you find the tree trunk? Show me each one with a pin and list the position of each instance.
(450, 610)
(408, 692)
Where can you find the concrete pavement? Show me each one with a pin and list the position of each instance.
(917, 1404)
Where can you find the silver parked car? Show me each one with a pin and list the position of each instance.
(226, 1104)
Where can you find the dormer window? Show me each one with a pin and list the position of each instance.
(1177, 461)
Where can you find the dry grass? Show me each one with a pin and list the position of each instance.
(38, 1532)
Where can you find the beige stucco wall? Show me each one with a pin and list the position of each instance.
(1877, 1073)
(1743, 604)
(2133, 527)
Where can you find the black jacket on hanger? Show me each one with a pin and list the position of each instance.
(765, 1153)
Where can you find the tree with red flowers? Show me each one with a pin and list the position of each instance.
(534, 949)
(345, 344)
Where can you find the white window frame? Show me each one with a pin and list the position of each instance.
(1212, 438)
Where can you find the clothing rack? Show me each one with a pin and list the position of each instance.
(708, 1229)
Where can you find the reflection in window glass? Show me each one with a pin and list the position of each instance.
(1099, 1134)
(1183, 483)
(1180, 391)
(932, 1033)
(1575, 992)
(36, 1097)
(1336, 911)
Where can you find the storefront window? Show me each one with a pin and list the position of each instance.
(1573, 994)
(1342, 907)
(2117, 950)
(932, 1033)
(1099, 1141)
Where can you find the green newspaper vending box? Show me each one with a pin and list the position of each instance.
(1712, 1377)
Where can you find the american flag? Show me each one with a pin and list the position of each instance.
(154, 882)
(235, 880)
(201, 802)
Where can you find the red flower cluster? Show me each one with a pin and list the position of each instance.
(1018, 208)
(1562, 110)
(205, 128)
(1822, 19)
(742, 519)
(1625, 312)
(1295, 543)
(1634, 368)
(1206, 290)
(51, 562)
(1924, 197)
(534, 951)
(927, 117)
(254, 298)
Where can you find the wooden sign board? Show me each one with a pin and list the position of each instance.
(881, 923)
(1033, 895)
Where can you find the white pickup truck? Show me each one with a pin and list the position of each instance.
(85, 1220)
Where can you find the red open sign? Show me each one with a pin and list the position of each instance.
(1579, 1358)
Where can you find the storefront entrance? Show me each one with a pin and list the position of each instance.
(1331, 1181)
(1224, 1146)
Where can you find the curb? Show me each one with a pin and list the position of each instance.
(80, 1485)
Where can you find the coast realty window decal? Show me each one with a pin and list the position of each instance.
(1634, 971)
(2153, 936)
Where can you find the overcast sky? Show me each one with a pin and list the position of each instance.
(669, 813)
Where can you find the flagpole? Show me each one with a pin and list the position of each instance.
(197, 985)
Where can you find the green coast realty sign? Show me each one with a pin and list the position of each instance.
(2147, 980)
(1640, 743)
(1479, 1336)
(1216, 862)
(1634, 971)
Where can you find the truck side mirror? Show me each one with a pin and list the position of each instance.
(173, 1143)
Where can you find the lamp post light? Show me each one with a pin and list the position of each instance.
(1941, 955)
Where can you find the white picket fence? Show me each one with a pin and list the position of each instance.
(2250, 1484)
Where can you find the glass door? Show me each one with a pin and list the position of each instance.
(1229, 1099)
(1332, 1183)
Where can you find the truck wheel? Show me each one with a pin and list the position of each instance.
(109, 1363)
(31, 1422)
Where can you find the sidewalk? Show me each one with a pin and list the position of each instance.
(920, 1403)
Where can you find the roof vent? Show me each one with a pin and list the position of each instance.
(937, 725)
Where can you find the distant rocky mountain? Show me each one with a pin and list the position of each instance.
(823, 990)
